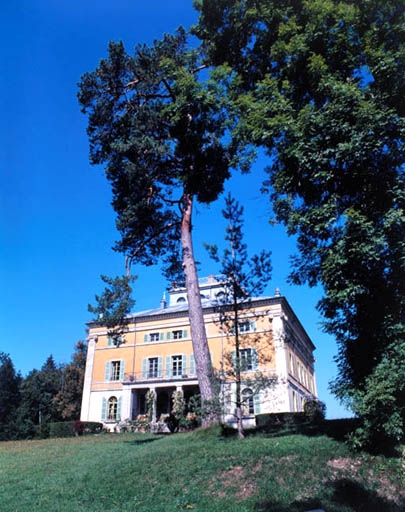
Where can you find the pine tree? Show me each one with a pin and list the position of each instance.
(161, 130)
(243, 278)
(9, 397)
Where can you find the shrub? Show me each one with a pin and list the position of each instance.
(92, 427)
(61, 429)
(314, 410)
(71, 428)
(274, 421)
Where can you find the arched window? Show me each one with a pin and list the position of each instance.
(180, 300)
(112, 408)
(248, 406)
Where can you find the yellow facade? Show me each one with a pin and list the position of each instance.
(156, 354)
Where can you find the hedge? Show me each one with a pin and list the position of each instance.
(74, 428)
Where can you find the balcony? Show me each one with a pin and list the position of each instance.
(136, 378)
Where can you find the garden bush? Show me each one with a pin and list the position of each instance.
(74, 428)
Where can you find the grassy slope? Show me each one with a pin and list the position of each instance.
(197, 471)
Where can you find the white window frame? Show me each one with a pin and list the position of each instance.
(177, 369)
(153, 367)
(246, 359)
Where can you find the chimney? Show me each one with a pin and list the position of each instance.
(163, 302)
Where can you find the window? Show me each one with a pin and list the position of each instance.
(112, 408)
(177, 366)
(114, 370)
(247, 326)
(177, 334)
(111, 341)
(248, 406)
(153, 368)
(180, 300)
(246, 359)
(153, 336)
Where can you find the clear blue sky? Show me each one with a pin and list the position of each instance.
(56, 223)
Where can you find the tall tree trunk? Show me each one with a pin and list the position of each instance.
(239, 410)
(197, 326)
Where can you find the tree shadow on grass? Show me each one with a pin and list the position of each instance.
(137, 442)
(347, 496)
(348, 492)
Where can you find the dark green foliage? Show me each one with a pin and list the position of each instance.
(114, 305)
(9, 396)
(282, 419)
(321, 86)
(29, 405)
(38, 407)
(159, 130)
(314, 410)
(61, 429)
(74, 428)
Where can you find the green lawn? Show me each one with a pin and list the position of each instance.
(199, 471)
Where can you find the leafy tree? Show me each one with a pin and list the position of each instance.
(68, 400)
(38, 392)
(160, 131)
(320, 85)
(9, 396)
(243, 279)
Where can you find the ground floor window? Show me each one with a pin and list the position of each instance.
(112, 408)
(248, 405)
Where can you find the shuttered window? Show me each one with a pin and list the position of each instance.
(176, 366)
(111, 408)
(248, 359)
(151, 337)
(152, 368)
(114, 370)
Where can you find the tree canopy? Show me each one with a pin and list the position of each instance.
(9, 395)
(320, 86)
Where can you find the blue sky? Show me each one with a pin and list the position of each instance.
(56, 223)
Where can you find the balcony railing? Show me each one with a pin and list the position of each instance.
(130, 378)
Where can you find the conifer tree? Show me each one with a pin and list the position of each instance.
(243, 278)
(9, 396)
